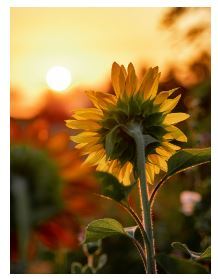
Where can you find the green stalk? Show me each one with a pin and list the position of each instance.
(135, 132)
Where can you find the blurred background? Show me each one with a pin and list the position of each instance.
(57, 54)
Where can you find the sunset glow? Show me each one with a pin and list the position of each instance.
(85, 42)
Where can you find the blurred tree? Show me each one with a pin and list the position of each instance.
(50, 193)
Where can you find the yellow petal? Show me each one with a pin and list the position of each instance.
(111, 164)
(104, 161)
(125, 174)
(173, 118)
(131, 81)
(171, 147)
(156, 169)
(88, 113)
(163, 152)
(114, 167)
(82, 124)
(163, 164)
(128, 175)
(102, 167)
(154, 88)
(168, 136)
(148, 82)
(158, 160)
(124, 71)
(169, 104)
(102, 164)
(122, 82)
(80, 145)
(176, 133)
(122, 172)
(101, 100)
(115, 78)
(162, 96)
(94, 158)
(85, 137)
(148, 179)
(149, 173)
(89, 148)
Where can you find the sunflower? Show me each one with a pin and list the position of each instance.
(102, 129)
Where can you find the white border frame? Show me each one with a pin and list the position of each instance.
(5, 120)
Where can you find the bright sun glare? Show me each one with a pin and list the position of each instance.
(58, 78)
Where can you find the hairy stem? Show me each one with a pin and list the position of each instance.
(136, 133)
(139, 223)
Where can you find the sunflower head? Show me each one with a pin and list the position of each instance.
(105, 131)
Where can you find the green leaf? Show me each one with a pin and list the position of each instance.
(103, 228)
(194, 255)
(188, 158)
(182, 160)
(174, 265)
(111, 187)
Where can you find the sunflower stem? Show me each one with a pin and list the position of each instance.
(136, 133)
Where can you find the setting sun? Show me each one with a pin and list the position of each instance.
(58, 78)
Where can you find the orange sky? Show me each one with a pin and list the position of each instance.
(86, 41)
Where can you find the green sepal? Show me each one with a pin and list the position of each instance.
(147, 108)
(156, 131)
(134, 106)
(111, 139)
(154, 119)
